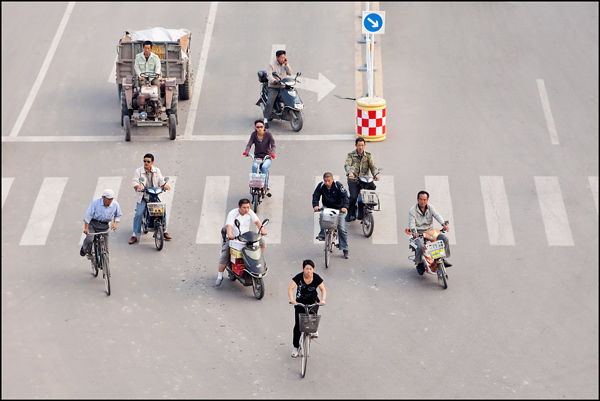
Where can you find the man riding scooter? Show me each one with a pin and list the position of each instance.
(358, 163)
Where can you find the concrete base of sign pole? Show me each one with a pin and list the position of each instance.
(364, 40)
(364, 68)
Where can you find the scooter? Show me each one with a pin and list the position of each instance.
(288, 106)
(368, 201)
(257, 183)
(248, 266)
(433, 254)
(154, 217)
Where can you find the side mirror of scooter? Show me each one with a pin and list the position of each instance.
(264, 223)
(166, 179)
(276, 75)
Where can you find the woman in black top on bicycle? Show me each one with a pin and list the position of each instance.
(307, 283)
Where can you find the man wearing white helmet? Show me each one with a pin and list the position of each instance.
(98, 217)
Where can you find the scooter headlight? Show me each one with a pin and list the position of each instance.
(143, 115)
(298, 105)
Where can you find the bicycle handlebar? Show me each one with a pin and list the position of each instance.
(306, 306)
(103, 232)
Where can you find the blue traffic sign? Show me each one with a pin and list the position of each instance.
(373, 22)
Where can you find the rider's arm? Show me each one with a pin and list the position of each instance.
(157, 68)
(412, 221)
(250, 142)
(438, 217)
(323, 292)
(259, 225)
(272, 80)
(348, 163)
(230, 232)
(136, 66)
(372, 166)
(272, 142)
(344, 194)
(291, 292)
(136, 179)
(316, 195)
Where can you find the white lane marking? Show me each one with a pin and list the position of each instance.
(42, 74)
(272, 208)
(44, 211)
(593, 187)
(7, 182)
(439, 192)
(316, 226)
(112, 78)
(547, 112)
(497, 212)
(199, 75)
(205, 138)
(103, 183)
(214, 213)
(386, 223)
(274, 49)
(554, 214)
(166, 197)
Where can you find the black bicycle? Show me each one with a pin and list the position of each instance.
(100, 257)
(329, 222)
(309, 324)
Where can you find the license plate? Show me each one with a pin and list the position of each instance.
(434, 246)
(440, 253)
(157, 210)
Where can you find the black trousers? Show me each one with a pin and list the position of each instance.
(354, 189)
(297, 311)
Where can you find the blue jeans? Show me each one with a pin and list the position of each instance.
(342, 232)
(265, 169)
(139, 212)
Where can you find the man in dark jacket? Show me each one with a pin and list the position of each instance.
(334, 196)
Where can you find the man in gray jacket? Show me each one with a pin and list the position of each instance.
(281, 67)
(420, 220)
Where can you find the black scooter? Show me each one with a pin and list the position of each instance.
(154, 216)
(288, 106)
(248, 266)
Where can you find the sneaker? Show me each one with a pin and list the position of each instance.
(315, 334)
(320, 238)
(218, 282)
(447, 264)
(89, 256)
(345, 254)
(421, 268)
(294, 352)
(81, 252)
(267, 127)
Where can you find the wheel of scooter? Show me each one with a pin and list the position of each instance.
(255, 200)
(159, 237)
(368, 224)
(258, 286)
(296, 120)
(441, 272)
(231, 276)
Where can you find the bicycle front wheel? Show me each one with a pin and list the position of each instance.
(305, 347)
(255, 200)
(368, 224)
(328, 246)
(105, 271)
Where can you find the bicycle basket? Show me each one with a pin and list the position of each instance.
(329, 218)
(157, 208)
(309, 323)
(257, 180)
(370, 198)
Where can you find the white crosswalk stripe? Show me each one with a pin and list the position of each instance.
(7, 183)
(439, 191)
(103, 183)
(215, 199)
(386, 224)
(44, 211)
(497, 212)
(554, 214)
(593, 187)
(214, 212)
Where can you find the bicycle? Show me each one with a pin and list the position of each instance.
(258, 189)
(309, 324)
(329, 222)
(99, 258)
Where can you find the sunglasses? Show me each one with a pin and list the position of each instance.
(147, 161)
(260, 126)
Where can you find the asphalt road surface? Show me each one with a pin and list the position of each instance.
(491, 107)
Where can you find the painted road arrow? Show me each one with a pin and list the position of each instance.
(322, 85)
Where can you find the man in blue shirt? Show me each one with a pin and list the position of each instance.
(98, 217)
